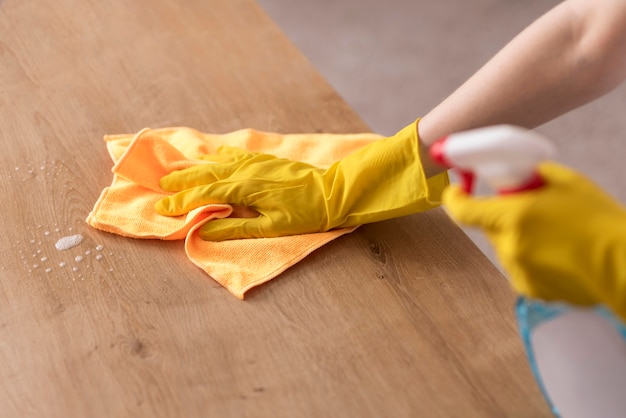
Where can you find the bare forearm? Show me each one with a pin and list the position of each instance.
(568, 57)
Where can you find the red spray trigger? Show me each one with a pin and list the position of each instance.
(467, 181)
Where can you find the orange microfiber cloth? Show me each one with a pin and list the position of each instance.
(127, 206)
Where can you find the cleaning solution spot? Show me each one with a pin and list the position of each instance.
(78, 258)
(99, 257)
(66, 243)
(62, 264)
(49, 269)
(99, 247)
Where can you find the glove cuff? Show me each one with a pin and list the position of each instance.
(435, 178)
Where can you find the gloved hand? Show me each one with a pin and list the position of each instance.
(380, 181)
(565, 241)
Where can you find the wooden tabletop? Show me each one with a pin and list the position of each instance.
(403, 318)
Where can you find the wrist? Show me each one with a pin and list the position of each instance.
(431, 168)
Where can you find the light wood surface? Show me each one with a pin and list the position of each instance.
(404, 318)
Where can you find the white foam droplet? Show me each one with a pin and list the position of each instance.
(99, 257)
(99, 247)
(62, 264)
(66, 243)
(78, 258)
(48, 270)
(74, 268)
(43, 259)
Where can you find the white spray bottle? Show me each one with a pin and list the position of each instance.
(572, 350)
(505, 156)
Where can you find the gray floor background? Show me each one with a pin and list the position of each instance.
(394, 60)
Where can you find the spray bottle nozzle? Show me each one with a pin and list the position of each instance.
(438, 154)
(504, 155)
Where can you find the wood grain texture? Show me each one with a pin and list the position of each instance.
(402, 318)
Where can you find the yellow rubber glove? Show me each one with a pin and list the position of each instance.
(380, 181)
(565, 241)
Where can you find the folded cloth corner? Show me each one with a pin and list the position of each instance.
(126, 207)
